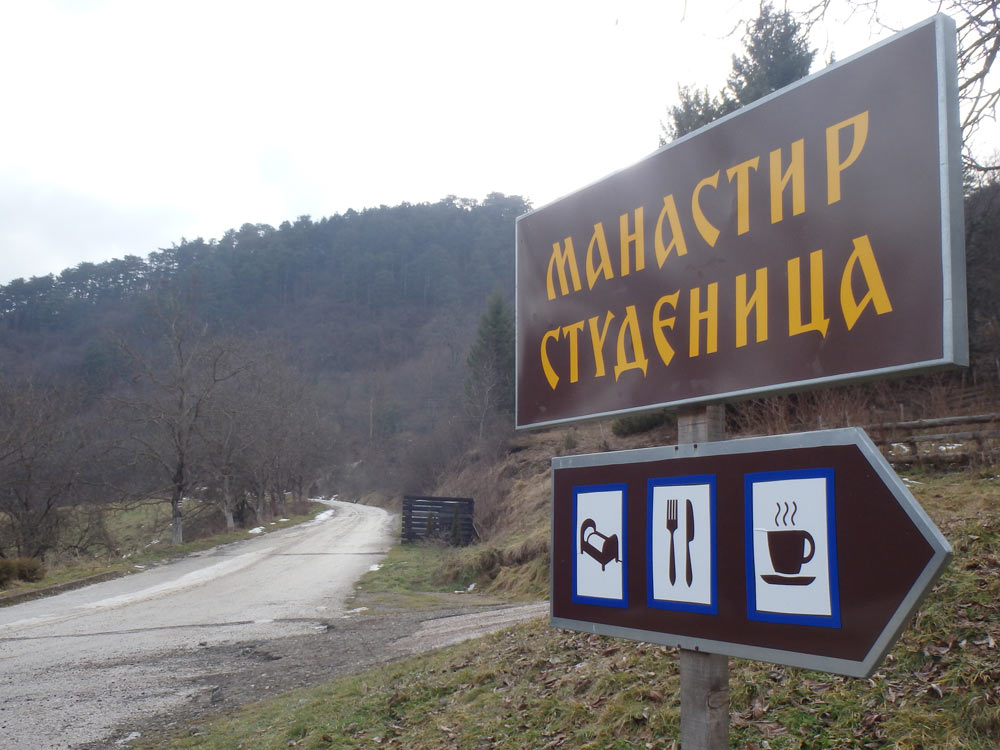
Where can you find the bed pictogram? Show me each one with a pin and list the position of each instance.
(599, 536)
(609, 544)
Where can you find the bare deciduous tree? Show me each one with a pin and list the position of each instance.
(978, 27)
(172, 385)
(41, 453)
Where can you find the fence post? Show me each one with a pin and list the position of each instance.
(704, 677)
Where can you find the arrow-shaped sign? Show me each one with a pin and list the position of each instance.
(805, 549)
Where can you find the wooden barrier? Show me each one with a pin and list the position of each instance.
(447, 519)
(976, 443)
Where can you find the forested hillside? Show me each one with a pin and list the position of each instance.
(322, 355)
(326, 286)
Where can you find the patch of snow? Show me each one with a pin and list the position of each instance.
(907, 480)
(471, 588)
(325, 515)
(376, 566)
(902, 447)
(258, 530)
(357, 611)
(950, 446)
(282, 520)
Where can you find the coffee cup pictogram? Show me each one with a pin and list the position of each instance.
(787, 548)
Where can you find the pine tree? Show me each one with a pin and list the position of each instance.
(776, 53)
(489, 385)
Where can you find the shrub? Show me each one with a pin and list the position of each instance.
(638, 423)
(30, 569)
(20, 568)
(569, 441)
(8, 571)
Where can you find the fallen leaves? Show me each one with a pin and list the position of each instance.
(867, 724)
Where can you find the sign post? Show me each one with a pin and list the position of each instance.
(704, 676)
(812, 238)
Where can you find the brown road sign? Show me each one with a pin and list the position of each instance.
(787, 245)
(806, 549)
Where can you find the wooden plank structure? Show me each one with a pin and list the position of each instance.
(447, 519)
(919, 440)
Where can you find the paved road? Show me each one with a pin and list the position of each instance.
(74, 666)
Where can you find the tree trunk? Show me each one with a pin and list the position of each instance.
(227, 504)
(176, 516)
(260, 505)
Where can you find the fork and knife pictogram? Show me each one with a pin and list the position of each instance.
(672, 525)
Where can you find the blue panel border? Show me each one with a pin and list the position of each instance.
(831, 621)
(709, 479)
(622, 545)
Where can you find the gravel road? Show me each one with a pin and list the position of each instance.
(183, 642)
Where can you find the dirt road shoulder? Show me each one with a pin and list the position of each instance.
(234, 675)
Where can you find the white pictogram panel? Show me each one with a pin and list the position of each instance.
(681, 544)
(599, 565)
(792, 548)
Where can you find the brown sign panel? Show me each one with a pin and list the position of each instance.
(814, 236)
(804, 549)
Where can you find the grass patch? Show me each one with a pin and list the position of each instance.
(956, 496)
(517, 569)
(409, 568)
(533, 686)
(412, 576)
(133, 529)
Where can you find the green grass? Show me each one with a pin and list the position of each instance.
(411, 576)
(535, 687)
(518, 570)
(412, 568)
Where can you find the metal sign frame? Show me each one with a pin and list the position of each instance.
(725, 375)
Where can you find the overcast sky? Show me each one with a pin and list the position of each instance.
(128, 126)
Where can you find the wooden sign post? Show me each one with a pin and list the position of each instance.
(704, 676)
